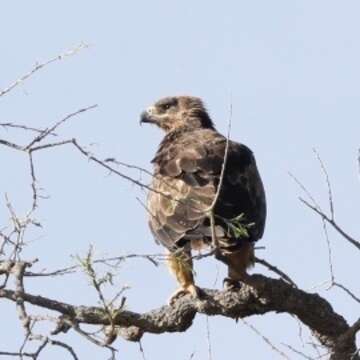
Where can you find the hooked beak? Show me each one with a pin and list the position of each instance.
(146, 117)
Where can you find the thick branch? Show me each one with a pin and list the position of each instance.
(270, 296)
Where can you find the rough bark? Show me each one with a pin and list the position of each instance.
(270, 295)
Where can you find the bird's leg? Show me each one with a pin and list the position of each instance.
(181, 265)
(238, 262)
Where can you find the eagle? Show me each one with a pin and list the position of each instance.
(206, 192)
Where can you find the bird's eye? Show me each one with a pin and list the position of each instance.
(166, 104)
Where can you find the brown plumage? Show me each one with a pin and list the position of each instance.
(187, 170)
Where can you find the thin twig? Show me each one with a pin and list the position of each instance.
(152, 258)
(104, 163)
(223, 166)
(90, 338)
(56, 125)
(332, 223)
(210, 210)
(114, 171)
(275, 270)
(350, 293)
(316, 207)
(41, 66)
(64, 346)
(273, 347)
(11, 145)
(130, 166)
(33, 183)
(332, 277)
(298, 352)
(327, 179)
(142, 350)
(23, 127)
(50, 145)
(208, 338)
(97, 284)
(305, 190)
(358, 162)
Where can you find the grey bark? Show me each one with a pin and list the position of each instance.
(270, 295)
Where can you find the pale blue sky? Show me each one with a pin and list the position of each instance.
(291, 71)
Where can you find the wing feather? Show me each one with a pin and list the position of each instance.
(187, 172)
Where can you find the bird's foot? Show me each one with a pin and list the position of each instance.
(230, 284)
(193, 290)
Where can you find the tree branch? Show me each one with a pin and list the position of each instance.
(332, 223)
(271, 295)
(40, 66)
(275, 270)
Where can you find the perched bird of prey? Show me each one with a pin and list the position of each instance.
(187, 210)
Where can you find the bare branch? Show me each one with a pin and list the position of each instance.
(210, 210)
(272, 346)
(23, 127)
(90, 338)
(65, 346)
(358, 161)
(112, 170)
(275, 270)
(332, 276)
(40, 66)
(298, 352)
(142, 350)
(316, 207)
(210, 357)
(327, 179)
(152, 258)
(30, 148)
(305, 190)
(50, 145)
(11, 145)
(270, 295)
(223, 166)
(33, 184)
(44, 342)
(332, 223)
(97, 283)
(130, 166)
(350, 293)
(43, 135)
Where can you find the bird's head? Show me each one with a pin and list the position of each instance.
(177, 112)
